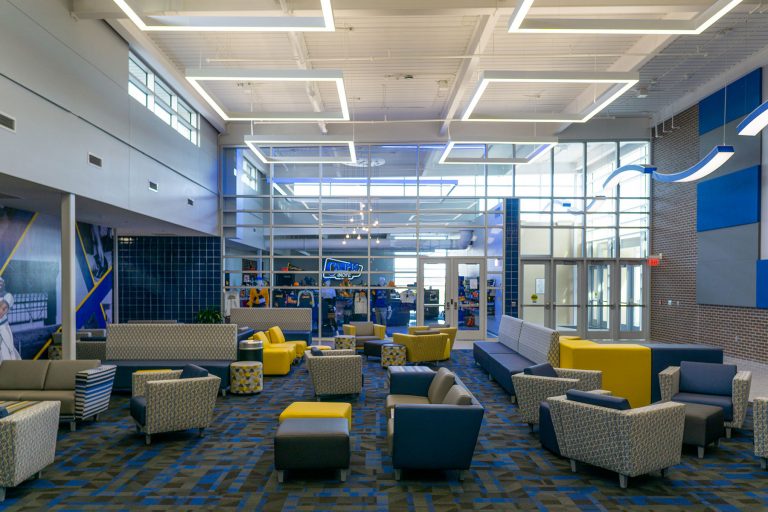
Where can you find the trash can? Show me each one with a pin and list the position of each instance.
(250, 350)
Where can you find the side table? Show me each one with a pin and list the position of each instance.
(246, 377)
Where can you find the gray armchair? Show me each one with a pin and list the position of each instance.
(165, 401)
(631, 442)
(531, 390)
(27, 443)
(336, 372)
(760, 418)
(715, 384)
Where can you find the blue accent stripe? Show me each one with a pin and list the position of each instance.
(730, 200)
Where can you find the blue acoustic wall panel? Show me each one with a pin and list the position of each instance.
(736, 100)
(725, 269)
(730, 200)
(762, 284)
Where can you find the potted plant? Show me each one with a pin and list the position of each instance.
(208, 316)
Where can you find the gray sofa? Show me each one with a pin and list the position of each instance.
(521, 344)
(296, 323)
(132, 347)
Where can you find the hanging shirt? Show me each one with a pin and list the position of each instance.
(361, 303)
(408, 297)
(306, 299)
(278, 296)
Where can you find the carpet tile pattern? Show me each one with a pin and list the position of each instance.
(106, 465)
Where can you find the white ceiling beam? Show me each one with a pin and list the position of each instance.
(480, 37)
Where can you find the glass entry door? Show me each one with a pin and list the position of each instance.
(601, 304)
(632, 307)
(454, 292)
(535, 301)
(566, 307)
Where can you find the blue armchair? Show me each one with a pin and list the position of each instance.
(720, 385)
(434, 428)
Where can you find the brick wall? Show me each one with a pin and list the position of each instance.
(741, 332)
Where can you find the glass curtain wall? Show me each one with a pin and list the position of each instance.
(344, 239)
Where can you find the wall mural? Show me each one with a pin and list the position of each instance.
(30, 281)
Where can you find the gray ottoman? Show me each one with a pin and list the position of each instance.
(703, 425)
(312, 443)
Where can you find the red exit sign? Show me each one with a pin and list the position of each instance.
(654, 261)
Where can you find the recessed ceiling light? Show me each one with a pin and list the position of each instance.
(521, 21)
(196, 76)
(622, 83)
(255, 142)
(241, 23)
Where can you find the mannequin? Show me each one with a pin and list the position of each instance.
(380, 302)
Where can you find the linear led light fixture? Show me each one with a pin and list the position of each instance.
(200, 23)
(622, 83)
(542, 145)
(196, 76)
(520, 22)
(255, 141)
(755, 122)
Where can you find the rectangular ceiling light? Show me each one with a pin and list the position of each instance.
(542, 145)
(197, 76)
(622, 83)
(256, 142)
(521, 21)
(242, 23)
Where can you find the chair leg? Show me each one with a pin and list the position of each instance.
(530, 427)
(727, 432)
(148, 439)
(700, 450)
(2, 494)
(95, 417)
(664, 472)
(201, 432)
(72, 426)
(223, 393)
(764, 463)
(343, 475)
(398, 474)
(39, 474)
(513, 399)
(280, 476)
(716, 443)
(623, 481)
(490, 377)
(573, 465)
(461, 475)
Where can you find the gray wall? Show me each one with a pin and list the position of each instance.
(65, 82)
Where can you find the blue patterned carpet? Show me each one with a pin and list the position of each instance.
(106, 466)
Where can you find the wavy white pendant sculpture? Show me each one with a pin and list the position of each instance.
(755, 122)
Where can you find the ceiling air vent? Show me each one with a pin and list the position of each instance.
(95, 160)
(190, 202)
(153, 186)
(7, 122)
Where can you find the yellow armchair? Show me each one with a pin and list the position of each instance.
(450, 331)
(276, 336)
(421, 348)
(349, 330)
(626, 367)
(380, 331)
(277, 358)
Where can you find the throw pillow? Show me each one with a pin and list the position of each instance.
(611, 402)
(457, 395)
(541, 370)
(441, 384)
(192, 371)
(3, 412)
(316, 351)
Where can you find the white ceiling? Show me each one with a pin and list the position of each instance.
(420, 59)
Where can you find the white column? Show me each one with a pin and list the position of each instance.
(68, 299)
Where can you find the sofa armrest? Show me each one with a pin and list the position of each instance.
(28, 442)
(139, 379)
(760, 417)
(93, 388)
(380, 331)
(435, 436)
(180, 404)
(349, 330)
(531, 390)
(410, 383)
(669, 382)
(588, 379)
(741, 385)
(336, 375)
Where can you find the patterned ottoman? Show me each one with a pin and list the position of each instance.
(393, 354)
(344, 342)
(246, 377)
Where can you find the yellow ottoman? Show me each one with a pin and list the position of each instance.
(318, 410)
(246, 377)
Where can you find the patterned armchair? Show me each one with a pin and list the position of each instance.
(760, 413)
(27, 443)
(336, 372)
(531, 390)
(424, 347)
(630, 442)
(715, 384)
(163, 401)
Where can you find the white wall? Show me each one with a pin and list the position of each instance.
(65, 82)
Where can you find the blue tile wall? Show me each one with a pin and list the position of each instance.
(168, 278)
(511, 255)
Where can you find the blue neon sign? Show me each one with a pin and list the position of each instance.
(338, 269)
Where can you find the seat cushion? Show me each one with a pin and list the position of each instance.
(457, 395)
(611, 402)
(707, 378)
(541, 370)
(363, 328)
(363, 339)
(318, 410)
(139, 409)
(373, 347)
(61, 374)
(441, 384)
(503, 366)
(393, 400)
(67, 399)
(717, 400)
(192, 371)
(23, 374)
(492, 347)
